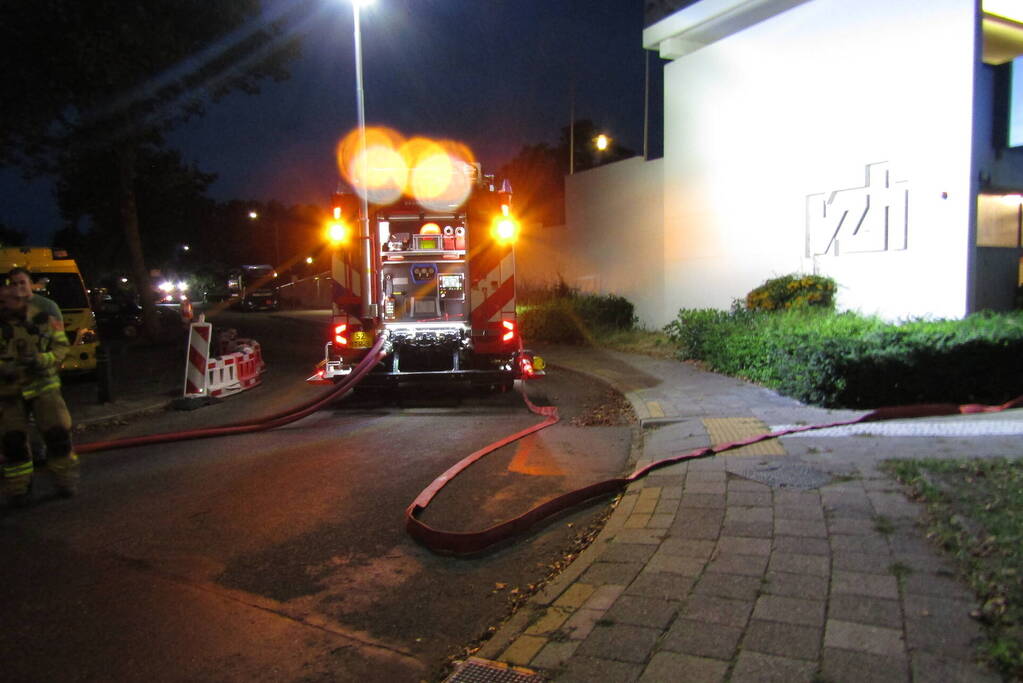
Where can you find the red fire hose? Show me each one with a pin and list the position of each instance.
(468, 543)
(255, 425)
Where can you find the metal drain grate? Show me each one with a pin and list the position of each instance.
(788, 475)
(476, 670)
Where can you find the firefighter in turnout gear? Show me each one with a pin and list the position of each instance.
(32, 346)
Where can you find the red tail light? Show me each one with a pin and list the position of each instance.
(339, 334)
(509, 327)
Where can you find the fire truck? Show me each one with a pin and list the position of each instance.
(437, 285)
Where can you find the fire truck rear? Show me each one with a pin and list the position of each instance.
(441, 292)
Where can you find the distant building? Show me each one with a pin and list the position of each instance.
(868, 140)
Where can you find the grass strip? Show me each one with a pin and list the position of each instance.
(975, 513)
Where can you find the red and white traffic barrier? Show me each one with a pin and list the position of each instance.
(235, 372)
(197, 358)
(222, 375)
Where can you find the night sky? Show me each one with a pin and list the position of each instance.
(494, 74)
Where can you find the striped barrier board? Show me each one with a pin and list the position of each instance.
(197, 357)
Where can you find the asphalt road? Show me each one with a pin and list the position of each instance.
(282, 555)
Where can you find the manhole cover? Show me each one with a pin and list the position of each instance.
(788, 475)
(476, 670)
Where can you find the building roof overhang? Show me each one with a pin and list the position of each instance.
(708, 21)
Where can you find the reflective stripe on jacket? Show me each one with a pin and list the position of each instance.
(42, 337)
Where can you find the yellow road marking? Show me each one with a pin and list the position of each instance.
(655, 409)
(728, 429)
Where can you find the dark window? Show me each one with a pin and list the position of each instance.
(66, 289)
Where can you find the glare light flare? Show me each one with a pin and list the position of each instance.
(386, 171)
(1012, 199)
(506, 230)
(337, 232)
(436, 173)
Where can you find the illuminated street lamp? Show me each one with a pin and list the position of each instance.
(308, 259)
(602, 142)
(367, 265)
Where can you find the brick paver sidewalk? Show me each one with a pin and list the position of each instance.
(802, 565)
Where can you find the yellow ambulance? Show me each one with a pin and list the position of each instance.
(56, 276)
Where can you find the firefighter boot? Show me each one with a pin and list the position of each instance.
(17, 471)
(65, 474)
(62, 461)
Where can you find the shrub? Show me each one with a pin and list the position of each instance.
(560, 315)
(554, 321)
(848, 360)
(696, 330)
(605, 312)
(531, 293)
(793, 291)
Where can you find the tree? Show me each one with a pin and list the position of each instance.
(537, 173)
(170, 197)
(106, 78)
(11, 237)
(537, 179)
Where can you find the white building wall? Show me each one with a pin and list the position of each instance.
(612, 242)
(802, 104)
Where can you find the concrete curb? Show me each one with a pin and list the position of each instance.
(124, 414)
(518, 622)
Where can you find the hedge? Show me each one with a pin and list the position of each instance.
(573, 318)
(851, 361)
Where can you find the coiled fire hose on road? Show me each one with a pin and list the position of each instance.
(473, 542)
(469, 543)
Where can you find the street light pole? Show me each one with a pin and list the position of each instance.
(367, 261)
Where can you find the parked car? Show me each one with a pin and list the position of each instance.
(122, 318)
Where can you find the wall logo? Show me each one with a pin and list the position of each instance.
(874, 217)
